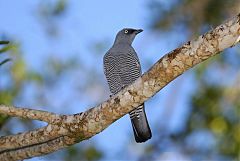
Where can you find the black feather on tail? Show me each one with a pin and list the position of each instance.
(142, 131)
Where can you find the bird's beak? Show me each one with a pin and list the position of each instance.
(138, 31)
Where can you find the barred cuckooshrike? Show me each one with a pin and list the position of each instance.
(121, 68)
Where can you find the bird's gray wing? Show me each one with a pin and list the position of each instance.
(131, 68)
(111, 71)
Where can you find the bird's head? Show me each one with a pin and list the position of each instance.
(127, 35)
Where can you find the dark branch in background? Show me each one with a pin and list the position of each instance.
(4, 42)
(5, 61)
(4, 49)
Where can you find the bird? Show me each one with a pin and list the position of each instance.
(121, 68)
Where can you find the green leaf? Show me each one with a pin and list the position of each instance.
(5, 48)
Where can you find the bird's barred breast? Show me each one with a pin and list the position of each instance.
(121, 70)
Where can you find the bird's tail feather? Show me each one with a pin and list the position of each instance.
(141, 129)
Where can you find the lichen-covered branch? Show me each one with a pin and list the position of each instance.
(37, 136)
(28, 113)
(37, 149)
(84, 125)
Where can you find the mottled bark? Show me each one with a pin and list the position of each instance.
(65, 130)
(29, 113)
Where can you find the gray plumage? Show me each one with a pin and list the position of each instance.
(121, 68)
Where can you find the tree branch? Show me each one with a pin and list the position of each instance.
(37, 136)
(84, 125)
(28, 113)
(37, 149)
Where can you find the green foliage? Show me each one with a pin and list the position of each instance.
(92, 154)
(194, 15)
(49, 12)
(59, 7)
(215, 106)
(211, 112)
(5, 49)
(86, 154)
(6, 98)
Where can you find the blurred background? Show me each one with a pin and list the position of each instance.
(57, 48)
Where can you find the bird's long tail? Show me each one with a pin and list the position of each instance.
(142, 131)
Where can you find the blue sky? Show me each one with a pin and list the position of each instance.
(88, 22)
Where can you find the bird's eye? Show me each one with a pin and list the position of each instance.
(126, 31)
